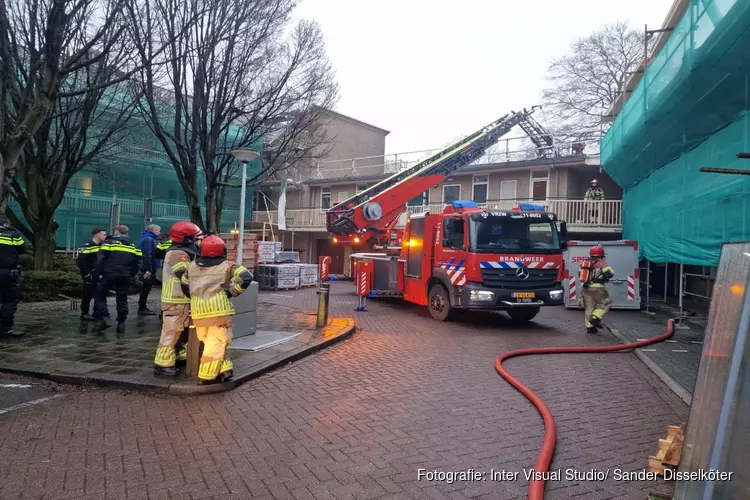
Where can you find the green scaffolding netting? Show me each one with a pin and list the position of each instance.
(687, 112)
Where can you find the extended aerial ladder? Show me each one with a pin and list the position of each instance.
(371, 214)
(541, 138)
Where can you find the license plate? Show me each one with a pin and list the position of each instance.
(523, 295)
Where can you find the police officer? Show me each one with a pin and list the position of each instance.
(117, 264)
(11, 246)
(210, 282)
(595, 273)
(86, 261)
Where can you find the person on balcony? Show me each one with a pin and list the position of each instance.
(86, 262)
(593, 194)
(147, 246)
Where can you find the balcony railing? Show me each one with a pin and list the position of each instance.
(506, 150)
(81, 202)
(577, 213)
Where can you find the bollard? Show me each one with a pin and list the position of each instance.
(193, 352)
(323, 294)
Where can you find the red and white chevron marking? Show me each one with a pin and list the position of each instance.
(457, 276)
(572, 288)
(631, 287)
(540, 265)
(362, 284)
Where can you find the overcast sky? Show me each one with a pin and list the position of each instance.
(431, 71)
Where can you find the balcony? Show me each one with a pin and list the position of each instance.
(83, 203)
(581, 216)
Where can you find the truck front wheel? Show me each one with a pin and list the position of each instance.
(439, 303)
(522, 314)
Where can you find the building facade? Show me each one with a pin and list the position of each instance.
(499, 180)
(686, 108)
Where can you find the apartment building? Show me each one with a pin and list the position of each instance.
(512, 173)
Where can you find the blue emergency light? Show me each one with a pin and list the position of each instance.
(464, 204)
(530, 206)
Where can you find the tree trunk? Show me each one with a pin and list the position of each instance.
(212, 214)
(45, 243)
(5, 178)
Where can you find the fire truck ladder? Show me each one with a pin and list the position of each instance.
(378, 207)
(541, 138)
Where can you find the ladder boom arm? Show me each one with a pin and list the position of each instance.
(368, 209)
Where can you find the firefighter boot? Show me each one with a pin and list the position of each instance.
(596, 322)
(167, 371)
(591, 329)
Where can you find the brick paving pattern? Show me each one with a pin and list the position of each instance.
(679, 357)
(356, 421)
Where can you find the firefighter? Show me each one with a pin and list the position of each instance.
(117, 263)
(210, 282)
(11, 246)
(175, 306)
(593, 275)
(86, 262)
(594, 192)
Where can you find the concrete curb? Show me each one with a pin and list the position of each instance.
(182, 388)
(671, 383)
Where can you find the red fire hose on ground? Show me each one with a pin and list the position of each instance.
(536, 487)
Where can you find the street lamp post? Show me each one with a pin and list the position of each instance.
(245, 156)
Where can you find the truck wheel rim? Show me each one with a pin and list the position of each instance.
(438, 302)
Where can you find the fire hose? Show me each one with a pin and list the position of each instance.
(536, 487)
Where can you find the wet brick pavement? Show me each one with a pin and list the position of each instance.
(58, 345)
(678, 357)
(357, 421)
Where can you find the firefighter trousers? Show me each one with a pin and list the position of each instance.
(596, 303)
(175, 321)
(215, 333)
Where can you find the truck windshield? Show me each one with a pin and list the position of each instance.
(506, 235)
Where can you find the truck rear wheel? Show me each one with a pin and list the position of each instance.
(522, 314)
(439, 303)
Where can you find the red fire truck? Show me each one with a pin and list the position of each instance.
(463, 258)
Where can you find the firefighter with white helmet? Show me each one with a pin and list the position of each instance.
(210, 282)
(175, 305)
(593, 276)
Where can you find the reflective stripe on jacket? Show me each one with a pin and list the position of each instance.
(175, 264)
(210, 283)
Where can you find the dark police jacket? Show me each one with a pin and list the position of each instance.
(11, 246)
(118, 258)
(87, 256)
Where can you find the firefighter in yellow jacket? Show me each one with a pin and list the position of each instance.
(210, 282)
(593, 275)
(175, 306)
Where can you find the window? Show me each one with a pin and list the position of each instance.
(361, 187)
(453, 233)
(539, 185)
(508, 190)
(325, 198)
(506, 235)
(451, 193)
(342, 196)
(422, 199)
(479, 189)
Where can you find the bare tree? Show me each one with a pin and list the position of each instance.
(233, 81)
(83, 130)
(588, 79)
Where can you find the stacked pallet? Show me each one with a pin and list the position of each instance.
(286, 257)
(308, 274)
(266, 251)
(278, 276)
(670, 449)
(249, 252)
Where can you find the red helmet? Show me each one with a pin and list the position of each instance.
(212, 246)
(184, 232)
(597, 251)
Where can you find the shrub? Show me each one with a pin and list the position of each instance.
(40, 286)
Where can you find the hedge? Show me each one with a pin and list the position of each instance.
(44, 286)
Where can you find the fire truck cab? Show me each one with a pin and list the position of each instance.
(467, 258)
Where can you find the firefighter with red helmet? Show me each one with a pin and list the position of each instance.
(210, 282)
(175, 305)
(593, 275)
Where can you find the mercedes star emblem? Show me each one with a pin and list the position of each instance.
(522, 273)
